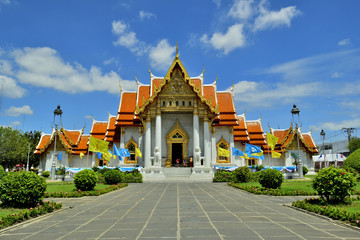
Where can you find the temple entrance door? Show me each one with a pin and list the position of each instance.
(177, 158)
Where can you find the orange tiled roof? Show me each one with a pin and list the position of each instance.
(197, 83)
(155, 84)
(209, 93)
(227, 114)
(126, 113)
(112, 132)
(143, 94)
(256, 133)
(98, 129)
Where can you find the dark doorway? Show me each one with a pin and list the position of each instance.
(176, 154)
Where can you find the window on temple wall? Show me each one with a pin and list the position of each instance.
(225, 145)
(177, 103)
(131, 146)
(183, 103)
(251, 162)
(163, 103)
(189, 103)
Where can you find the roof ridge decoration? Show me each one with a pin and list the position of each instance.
(167, 78)
(62, 130)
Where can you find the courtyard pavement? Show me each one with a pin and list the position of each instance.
(179, 211)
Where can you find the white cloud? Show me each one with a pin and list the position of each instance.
(217, 3)
(241, 9)
(146, 15)
(162, 55)
(232, 39)
(6, 2)
(17, 111)
(118, 27)
(43, 67)
(15, 123)
(128, 39)
(273, 19)
(5, 67)
(88, 117)
(344, 42)
(335, 126)
(10, 87)
(337, 75)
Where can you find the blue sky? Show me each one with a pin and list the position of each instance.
(276, 53)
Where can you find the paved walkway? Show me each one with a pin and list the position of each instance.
(179, 211)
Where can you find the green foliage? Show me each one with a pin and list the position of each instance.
(222, 175)
(271, 178)
(259, 167)
(95, 168)
(242, 174)
(113, 176)
(2, 172)
(353, 161)
(21, 189)
(316, 205)
(334, 184)
(45, 174)
(254, 176)
(14, 147)
(133, 177)
(354, 144)
(45, 207)
(60, 171)
(100, 177)
(85, 180)
(305, 170)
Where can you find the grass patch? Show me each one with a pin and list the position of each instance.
(6, 211)
(69, 187)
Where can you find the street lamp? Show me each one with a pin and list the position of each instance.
(322, 134)
(57, 112)
(295, 111)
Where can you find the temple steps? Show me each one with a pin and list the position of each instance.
(178, 174)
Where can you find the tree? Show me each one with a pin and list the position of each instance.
(354, 144)
(34, 138)
(14, 147)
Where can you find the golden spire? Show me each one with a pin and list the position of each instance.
(217, 77)
(177, 49)
(137, 81)
(203, 70)
(232, 88)
(121, 89)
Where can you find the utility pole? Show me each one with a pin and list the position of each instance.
(349, 132)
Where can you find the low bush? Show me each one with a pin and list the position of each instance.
(241, 174)
(85, 180)
(22, 189)
(254, 176)
(45, 174)
(99, 177)
(223, 176)
(2, 172)
(305, 170)
(259, 167)
(45, 207)
(353, 161)
(60, 171)
(133, 177)
(334, 184)
(113, 176)
(271, 178)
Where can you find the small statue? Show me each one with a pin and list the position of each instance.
(197, 156)
(157, 156)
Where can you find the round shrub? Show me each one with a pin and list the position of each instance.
(271, 178)
(85, 180)
(305, 170)
(334, 184)
(242, 174)
(22, 189)
(353, 161)
(113, 176)
(2, 172)
(45, 174)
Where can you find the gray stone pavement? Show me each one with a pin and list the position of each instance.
(179, 211)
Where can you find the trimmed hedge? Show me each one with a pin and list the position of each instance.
(85, 180)
(271, 178)
(241, 174)
(353, 161)
(113, 176)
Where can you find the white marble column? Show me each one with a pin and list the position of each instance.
(158, 130)
(122, 137)
(213, 147)
(231, 144)
(207, 144)
(196, 136)
(148, 142)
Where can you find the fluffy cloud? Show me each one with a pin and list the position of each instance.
(5, 67)
(10, 87)
(17, 111)
(335, 126)
(232, 39)
(273, 19)
(337, 75)
(146, 15)
(344, 42)
(43, 67)
(118, 27)
(161, 55)
(242, 9)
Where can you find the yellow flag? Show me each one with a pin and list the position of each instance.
(275, 154)
(138, 152)
(114, 156)
(223, 152)
(107, 156)
(272, 140)
(259, 154)
(81, 155)
(98, 145)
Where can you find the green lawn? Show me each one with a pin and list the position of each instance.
(7, 211)
(56, 187)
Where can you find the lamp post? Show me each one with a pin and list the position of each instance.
(322, 134)
(296, 111)
(57, 112)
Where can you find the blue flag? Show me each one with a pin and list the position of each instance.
(59, 156)
(251, 149)
(124, 152)
(116, 152)
(237, 152)
(98, 155)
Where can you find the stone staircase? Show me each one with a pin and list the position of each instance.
(178, 174)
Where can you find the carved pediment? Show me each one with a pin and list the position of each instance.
(177, 86)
